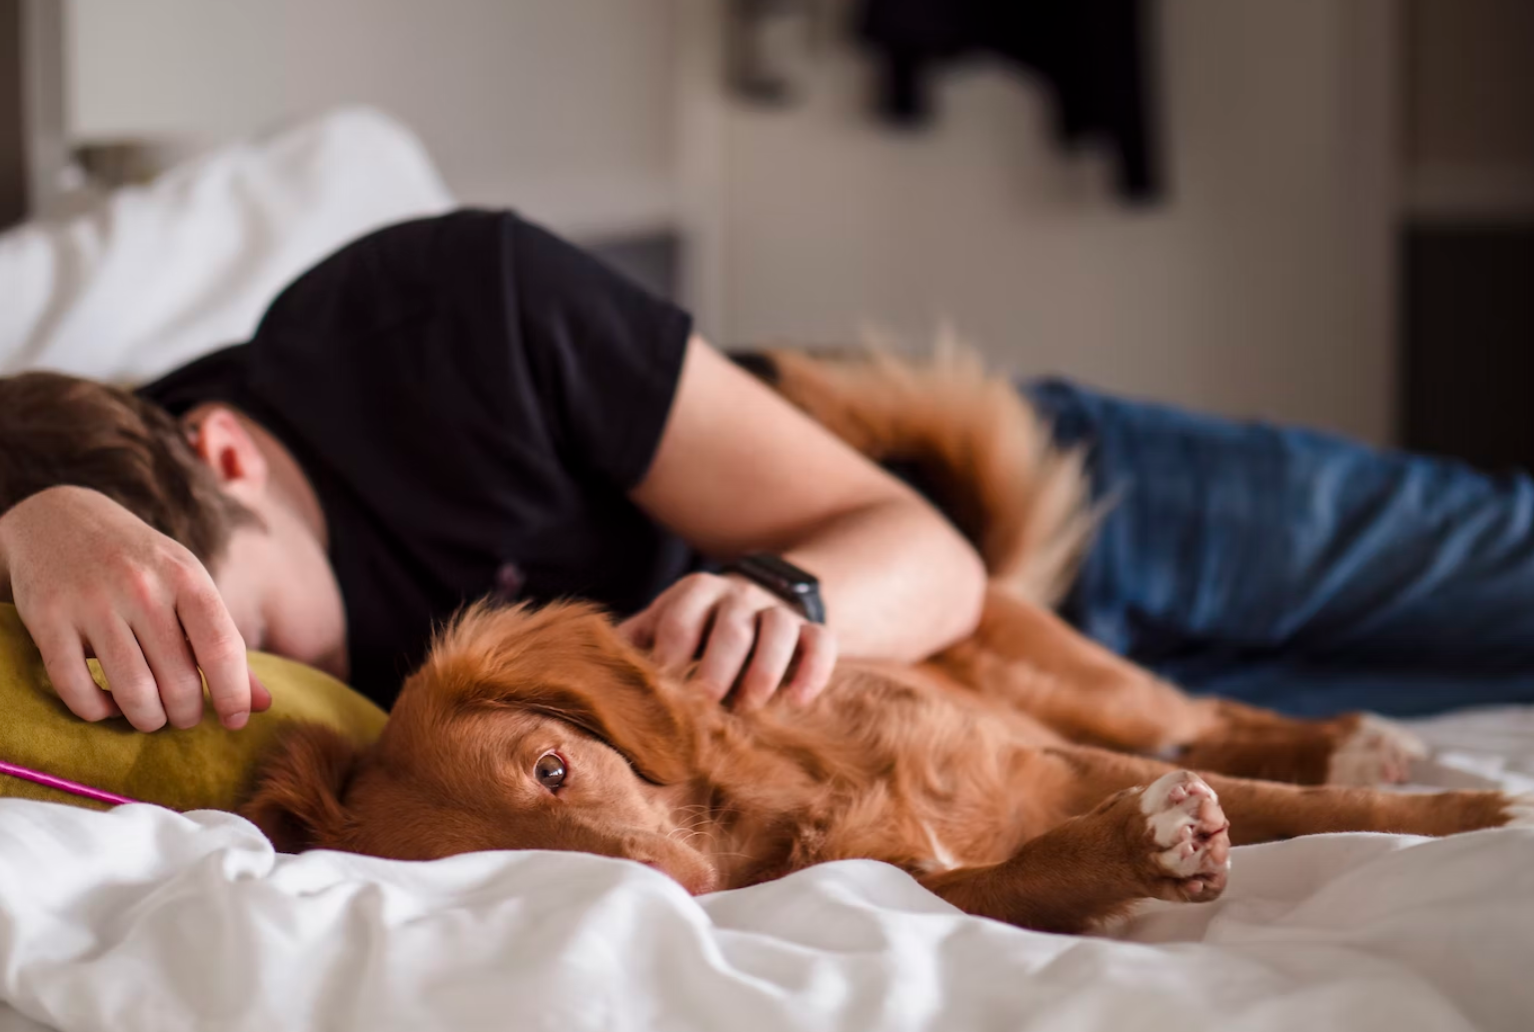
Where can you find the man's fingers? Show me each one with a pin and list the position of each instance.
(175, 672)
(730, 638)
(219, 650)
(133, 686)
(683, 616)
(817, 660)
(639, 629)
(777, 636)
(260, 697)
(64, 659)
(748, 642)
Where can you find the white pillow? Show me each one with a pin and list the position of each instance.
(158, 275)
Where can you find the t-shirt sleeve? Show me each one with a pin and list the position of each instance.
(603, 354)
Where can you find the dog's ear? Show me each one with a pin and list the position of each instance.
(565, 661)
(297, 800)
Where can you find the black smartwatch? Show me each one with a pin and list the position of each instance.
(785, 580)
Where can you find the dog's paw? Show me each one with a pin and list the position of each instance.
(1377, 752)
(1519, 810)
(1191, 837)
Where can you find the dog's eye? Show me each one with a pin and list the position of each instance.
(550, 770)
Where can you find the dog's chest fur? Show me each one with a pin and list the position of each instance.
(890, 764)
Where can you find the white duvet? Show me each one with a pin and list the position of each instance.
(143, 919)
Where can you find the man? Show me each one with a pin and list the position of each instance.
(462, 406)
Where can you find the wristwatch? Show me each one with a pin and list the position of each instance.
(785, 580)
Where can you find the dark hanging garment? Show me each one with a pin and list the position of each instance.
(1093, 54)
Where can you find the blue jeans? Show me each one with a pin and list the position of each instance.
(1297, 570)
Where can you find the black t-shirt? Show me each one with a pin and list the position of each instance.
(471, 398)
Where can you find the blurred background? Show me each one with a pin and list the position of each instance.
(1318, 211)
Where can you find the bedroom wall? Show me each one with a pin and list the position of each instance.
(561, 107)
(1260, 287)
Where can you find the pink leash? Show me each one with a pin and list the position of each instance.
(64, 784)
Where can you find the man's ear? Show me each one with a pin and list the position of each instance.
(297, 800)
(225, 445)
(565, 661)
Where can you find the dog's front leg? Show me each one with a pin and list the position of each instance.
(1167, 840)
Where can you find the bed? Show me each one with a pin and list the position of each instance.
(145, 919)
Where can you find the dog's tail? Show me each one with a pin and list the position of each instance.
(969, 440)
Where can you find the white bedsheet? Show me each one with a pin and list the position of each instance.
(142, 919)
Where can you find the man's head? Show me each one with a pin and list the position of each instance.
(215, 482)
(60, 431)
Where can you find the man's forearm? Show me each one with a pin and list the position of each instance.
(899, 582)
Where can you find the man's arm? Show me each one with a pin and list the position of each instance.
(739, 469)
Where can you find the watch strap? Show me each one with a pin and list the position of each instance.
(793, 585)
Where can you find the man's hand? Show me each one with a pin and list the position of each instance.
(748, 639)
(91, 579)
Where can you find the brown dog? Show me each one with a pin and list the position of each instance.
(988, 772)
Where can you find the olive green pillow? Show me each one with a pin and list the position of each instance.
(205, 767)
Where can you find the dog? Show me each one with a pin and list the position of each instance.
(1026, 774)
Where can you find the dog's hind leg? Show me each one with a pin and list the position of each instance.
(1027, 657)
(1147, 829)
(1031, 659)
(1266, 811)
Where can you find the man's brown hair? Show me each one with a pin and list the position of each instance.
(58, 430)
